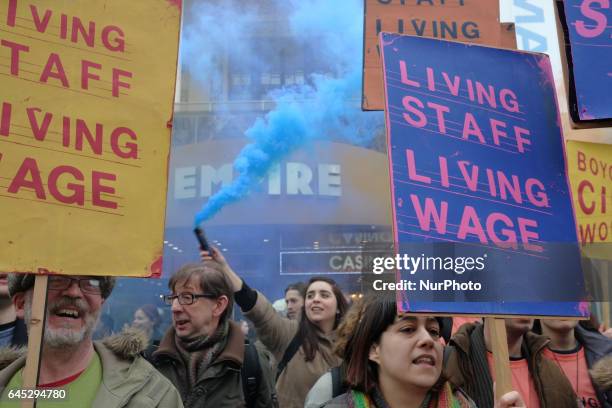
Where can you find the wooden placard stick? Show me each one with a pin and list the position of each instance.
(35, 335)
(501, 357)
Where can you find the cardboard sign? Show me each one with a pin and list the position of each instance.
(587, 28)
(476, 160)
(85, 113)
(590, 171)
(474, 21)
(508, 35)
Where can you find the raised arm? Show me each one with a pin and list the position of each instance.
(274, 331)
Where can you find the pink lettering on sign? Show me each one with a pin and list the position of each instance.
(598, 20)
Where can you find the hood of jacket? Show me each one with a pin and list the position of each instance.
(596, 348)
(9, 354)
(125, 346)
(602, 374)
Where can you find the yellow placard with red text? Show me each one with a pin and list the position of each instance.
(590, 172)
(85, 114)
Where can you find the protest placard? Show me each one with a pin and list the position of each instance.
(85, 117)
(590, 172)
(585, 34)
(474, 21)
(508, 35)
(477, 163)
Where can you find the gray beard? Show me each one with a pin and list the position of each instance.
(63, 337)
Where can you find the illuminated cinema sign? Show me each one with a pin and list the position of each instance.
(474, 21)
(85, 114)
(587, 28)
(477, 162)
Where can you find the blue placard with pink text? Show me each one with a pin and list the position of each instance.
(587, 26)
(479, 185)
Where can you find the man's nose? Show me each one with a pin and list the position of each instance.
(176, 306)
(73, 290)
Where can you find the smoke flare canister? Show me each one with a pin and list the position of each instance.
(199, 233)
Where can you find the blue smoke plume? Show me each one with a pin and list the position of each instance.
(328, 106)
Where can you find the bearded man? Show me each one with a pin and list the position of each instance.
(109, 373)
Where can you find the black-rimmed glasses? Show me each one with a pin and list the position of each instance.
(186, 298)
(87, 285)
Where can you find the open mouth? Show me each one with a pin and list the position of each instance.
(425, 360)
(67, 313)
(316, 309)
(180, 323)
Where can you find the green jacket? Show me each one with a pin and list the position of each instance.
(128, 380)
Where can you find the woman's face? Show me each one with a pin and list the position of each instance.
(141, 321)
(409, 352)
(321, 304)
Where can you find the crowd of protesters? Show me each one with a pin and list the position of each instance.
(321, 352)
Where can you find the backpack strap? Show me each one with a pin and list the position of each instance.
(292, 348)
(338, 385)
(448, 350)
(251, 374)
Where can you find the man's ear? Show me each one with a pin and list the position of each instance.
(220, 306)
(374, 354)
(19, 304)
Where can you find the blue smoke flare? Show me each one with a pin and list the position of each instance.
(327, 107)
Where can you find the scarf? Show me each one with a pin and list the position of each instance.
(200, 352)
(445, 398)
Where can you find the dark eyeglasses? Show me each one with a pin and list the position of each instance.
(87, 285)
(186, 298)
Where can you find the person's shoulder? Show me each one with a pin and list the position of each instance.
(462, 338)
(535, 342)
(10, 354)
(594, 339)
(321, 392)
(341, 401)
(126, 345)
(124, 352)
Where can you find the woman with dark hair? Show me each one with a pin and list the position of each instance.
(395, 361)
(147, 319)
(303, 348)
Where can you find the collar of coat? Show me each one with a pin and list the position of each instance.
(534, 343)
(233, 351)
(125, 346)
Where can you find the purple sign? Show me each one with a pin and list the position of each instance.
(587, 26)
(483, 215)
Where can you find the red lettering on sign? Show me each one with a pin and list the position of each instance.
(61, 179)
(28, 168)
